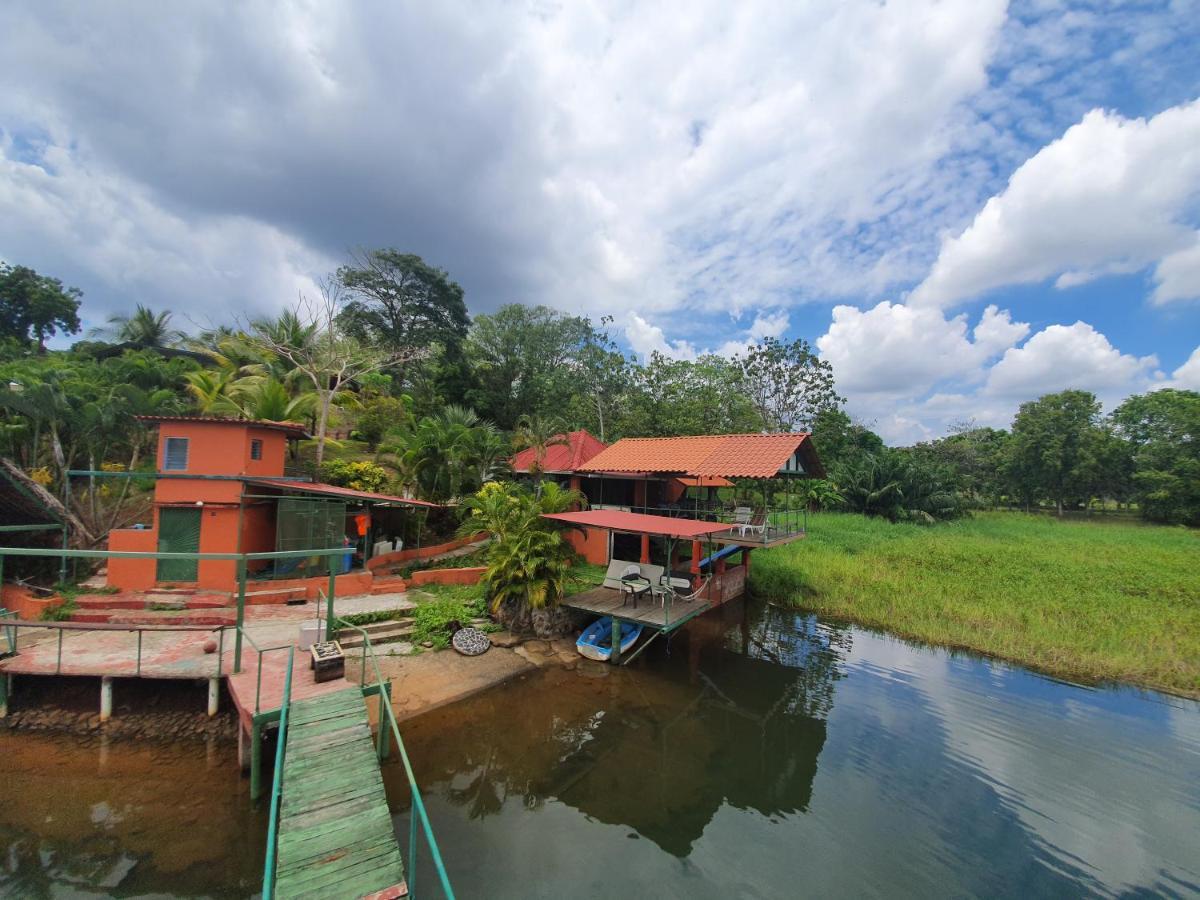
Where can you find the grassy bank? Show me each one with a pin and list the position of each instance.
(1092, 600)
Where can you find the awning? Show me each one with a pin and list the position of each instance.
(640, 523)
(332, 490)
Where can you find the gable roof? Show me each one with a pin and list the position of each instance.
(724, 455)
(333, 490)
(580, 446)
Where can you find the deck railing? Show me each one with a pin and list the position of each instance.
(277, 783)
(779, 521)
(418, 815)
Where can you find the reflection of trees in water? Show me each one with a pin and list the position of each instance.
(35, 866)
(655, 750)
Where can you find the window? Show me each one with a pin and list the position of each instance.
(175, 455)
(256, 449)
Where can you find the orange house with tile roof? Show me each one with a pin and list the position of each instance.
(221, 487)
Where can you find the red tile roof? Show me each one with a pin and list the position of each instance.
(579, 448)
(726, 455)
(332, 490)
(295, 429)
(640, 523)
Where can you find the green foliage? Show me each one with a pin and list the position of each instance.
(145, 328)
(61, 612)
(432, 618)
(1163, 429)
(446, 455)
(1052, 449)
(372, 616)
(679, 397)
(380, 414)
(528, 561)
(788, 384)
(1085, 598)
(898, 486)
(35, 307)
(360, 475)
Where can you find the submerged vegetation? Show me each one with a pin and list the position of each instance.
(1086, 599)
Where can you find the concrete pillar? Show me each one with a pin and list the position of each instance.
(696, 557)
(214, 694)
(105, 698)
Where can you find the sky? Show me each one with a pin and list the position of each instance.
(962, 205)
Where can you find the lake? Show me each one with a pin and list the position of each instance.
(784, 756)
(768, 755)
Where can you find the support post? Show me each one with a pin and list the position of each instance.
(255, 761)
(105, 698)
(696, 551)
(243, 757)
(214, 694)
(62, 564)
(241, 615)
(385, 731)
(329, 629)
(5, 681)
(645, 549)
(615, 657)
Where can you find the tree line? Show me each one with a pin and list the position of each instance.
(387, 354)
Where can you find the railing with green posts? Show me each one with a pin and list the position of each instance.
(261, 651)
(10, 631)
(277, 782)
(419, 814)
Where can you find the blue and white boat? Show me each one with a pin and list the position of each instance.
(596, 640)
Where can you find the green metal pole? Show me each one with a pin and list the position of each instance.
(615, 657)
(333, 561)
(62, 565)
(241, 616)
(385, 730)
(255, 760)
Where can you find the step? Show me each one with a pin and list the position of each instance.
(380, 633)
(148, 617)
(153, 601)
(277, 595)
(389, 586)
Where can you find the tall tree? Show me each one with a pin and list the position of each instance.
(400, 302)
(144, 328)
(1163, 431)
(788, 383)
(36, 307)
(323, 354)
(1052, 445)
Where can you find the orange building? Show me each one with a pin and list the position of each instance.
(221, 487)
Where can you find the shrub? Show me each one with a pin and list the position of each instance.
(361, 475)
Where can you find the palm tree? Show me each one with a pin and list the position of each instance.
(539, 433)
(145, 328)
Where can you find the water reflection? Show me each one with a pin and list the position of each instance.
(778, 755)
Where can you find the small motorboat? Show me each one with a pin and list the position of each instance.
(596, 640)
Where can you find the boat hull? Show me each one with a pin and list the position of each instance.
(596, 640)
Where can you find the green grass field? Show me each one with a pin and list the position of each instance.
(1093, 600)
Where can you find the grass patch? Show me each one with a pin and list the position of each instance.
(373, 616)
(584, 577)
(450, 603)
(1093, 600)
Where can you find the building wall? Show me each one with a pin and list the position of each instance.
(132, 574)
(258, 532)
(590, 543)
(218, 534)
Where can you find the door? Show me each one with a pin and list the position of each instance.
(178, 532)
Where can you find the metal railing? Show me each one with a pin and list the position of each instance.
(13, 625)
(261, 651)
(418, 805)
(776, 521)
(277, 783)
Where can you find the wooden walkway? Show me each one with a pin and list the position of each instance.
(609, 602)
(335, 829)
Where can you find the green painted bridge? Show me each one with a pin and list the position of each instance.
(335, 829)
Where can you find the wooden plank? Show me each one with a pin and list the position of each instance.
(336, 833)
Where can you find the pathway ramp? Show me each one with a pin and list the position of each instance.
(335, 829)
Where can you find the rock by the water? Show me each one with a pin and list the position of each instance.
(470, 641)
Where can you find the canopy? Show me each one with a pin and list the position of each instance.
(640, 523)
(332, 490)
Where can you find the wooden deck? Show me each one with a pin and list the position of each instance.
(608, 602)
(335, 829)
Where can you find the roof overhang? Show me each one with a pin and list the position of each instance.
(639, 523)
(332, 490)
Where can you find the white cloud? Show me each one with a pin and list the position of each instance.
(1111, 195)
(1187, 376)
(1068, 356)
(646, 338)
(1177, 277)
(894, 349)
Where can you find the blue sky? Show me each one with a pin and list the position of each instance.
(962, 205)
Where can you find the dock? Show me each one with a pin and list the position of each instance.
(335, 828)
(608, 602)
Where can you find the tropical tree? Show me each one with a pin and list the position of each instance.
(539, 434)
(1051, 446)
(36, 307)
(145, 328)
(1163, 432)
(788, 383)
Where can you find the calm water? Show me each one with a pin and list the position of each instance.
(776, 756)
(793, 758)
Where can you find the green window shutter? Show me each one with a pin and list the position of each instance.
(178, 532)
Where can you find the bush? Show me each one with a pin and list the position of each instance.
(361, 476)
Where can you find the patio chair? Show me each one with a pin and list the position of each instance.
(742, 516)
(757, 523)
(670, 586)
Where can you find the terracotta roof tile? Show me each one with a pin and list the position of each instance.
(581, 446)
(726, 456)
